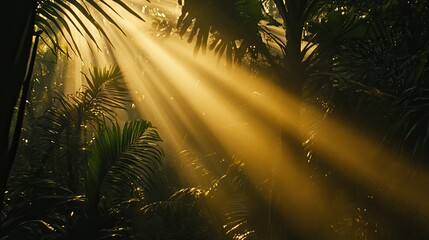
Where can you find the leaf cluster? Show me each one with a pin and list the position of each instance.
(63, 17)
(231, 26)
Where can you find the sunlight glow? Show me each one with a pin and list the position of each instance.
(199, 104)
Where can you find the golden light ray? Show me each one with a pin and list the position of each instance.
(350, 151)
(253, 141)
(395, 180)
(186, 95)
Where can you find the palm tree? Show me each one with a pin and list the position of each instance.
(363, 61)
(119, 168)
(117, 165)
(227, 23)
(69, 125)
(27, 17)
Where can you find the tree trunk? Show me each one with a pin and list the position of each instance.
(17, 29)
(291, 83)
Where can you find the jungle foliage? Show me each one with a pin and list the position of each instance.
(80, 174)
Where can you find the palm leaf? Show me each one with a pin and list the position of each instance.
(54, 20)
(225, 22)
(225, 211)
(105, 92)
(121, 159)
(63, 122)
(182, 216)
(52, 16)
(410, 129)
(238, 196)
(38, 207)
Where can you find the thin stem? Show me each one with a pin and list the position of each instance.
(21, 110)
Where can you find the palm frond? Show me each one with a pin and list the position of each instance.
(182, 216)
(225, 211)
(239, 209)
(104, 94)
(225, 23)
(116, 222)
(122, 159)
(54, 16)
(37, 207)
(409, 133)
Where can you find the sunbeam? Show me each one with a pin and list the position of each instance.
(200, 104)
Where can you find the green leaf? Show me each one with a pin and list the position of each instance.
(122, 158)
